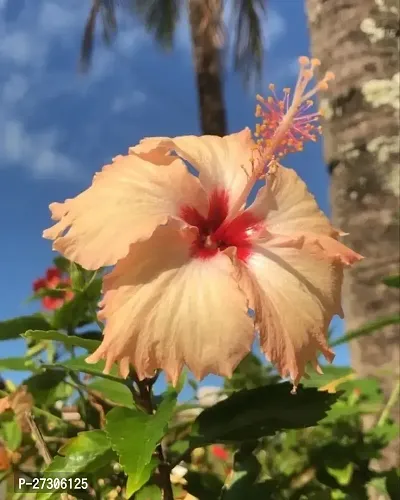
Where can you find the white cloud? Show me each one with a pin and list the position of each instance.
(14, 89)
(274, 28)
(34, 75)
(45, 103)
(17, 48)
(136, 98)
(36, 150)
(56, 20)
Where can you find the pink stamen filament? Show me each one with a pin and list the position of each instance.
(285, 131)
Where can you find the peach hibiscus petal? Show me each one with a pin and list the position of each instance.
(288, 207)
(222, 162)
(126, 202)
(333, 249)
(294, 292)
(164, 310)
(328, 247)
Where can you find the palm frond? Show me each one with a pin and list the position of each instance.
(109, 20)
(248, 44)
(160, 17)
(106, 9)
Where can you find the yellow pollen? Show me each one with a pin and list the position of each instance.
(304, 60)
(322, 85)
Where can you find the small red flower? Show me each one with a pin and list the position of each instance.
(219, 452)
(53, 275)
(39, 284)
(53, 279)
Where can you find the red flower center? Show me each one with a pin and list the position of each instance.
(216, 233)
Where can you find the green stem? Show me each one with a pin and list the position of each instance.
(389, 405)
(146, 396)
(95, 319)
(77, 384)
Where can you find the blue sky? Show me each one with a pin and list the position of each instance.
(57, 127)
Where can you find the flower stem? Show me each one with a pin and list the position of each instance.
(38, 438)
(389, 405)
(146, 389)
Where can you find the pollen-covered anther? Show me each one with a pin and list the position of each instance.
(286, 122)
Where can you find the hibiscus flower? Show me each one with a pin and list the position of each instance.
(191, 260)
(53, 280)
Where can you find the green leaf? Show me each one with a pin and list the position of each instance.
(384, 434)
(140, 477)
(17, 364)
(113, 391)
(93, 290)
(69, 340)
(91, 335)
(71, 313)
(340, 411)
(13, 328)
(240, 489)
(367, 329)
(246, 470)
(47, 387)
(10, 432)
(249, 374)
(393, 483)
(329, 375)
(151, 492)
(343, 475)
(359, 396)
(56, 293)
(79, 364)
(62, 263)
(77, 275)
(83, 454)
(251, 414)
(134, 436)
(4, 474)
(204, 485)
(368, 388)
(92, 444)
(392, 281)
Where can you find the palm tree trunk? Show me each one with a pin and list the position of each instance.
(358, 41)
(205, 17)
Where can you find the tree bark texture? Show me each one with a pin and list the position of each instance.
(205, 17)
(359, 41)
